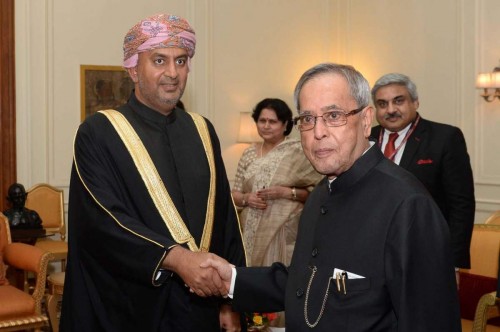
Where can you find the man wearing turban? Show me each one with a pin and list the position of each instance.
(149, 201)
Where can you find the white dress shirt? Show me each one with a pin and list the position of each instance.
(397, 143)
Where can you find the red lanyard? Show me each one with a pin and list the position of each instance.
(408, 134)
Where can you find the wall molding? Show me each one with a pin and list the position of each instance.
(482, 108)
(200, 82)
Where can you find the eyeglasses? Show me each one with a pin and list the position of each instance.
(332, 119)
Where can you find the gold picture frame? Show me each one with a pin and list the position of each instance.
(103, 87)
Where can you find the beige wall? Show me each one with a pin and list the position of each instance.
(251, 49)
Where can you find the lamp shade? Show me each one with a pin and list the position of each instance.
(484, 81)
(248, 131)
(495, 79)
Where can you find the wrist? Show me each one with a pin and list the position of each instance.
(173, 257)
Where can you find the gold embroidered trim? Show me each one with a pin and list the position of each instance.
(112, 216)
(155, 185)
(102, 206)
(201, 125)
(240, 228)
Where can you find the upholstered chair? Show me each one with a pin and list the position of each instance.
(48, 202)
(480, 279)
(20, 310)
(487, 308)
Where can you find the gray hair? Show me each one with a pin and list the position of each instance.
(399, 79)
(360, 89)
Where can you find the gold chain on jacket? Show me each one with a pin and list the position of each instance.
(155, 185)
(306, 303)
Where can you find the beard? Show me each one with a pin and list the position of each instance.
(154, 96)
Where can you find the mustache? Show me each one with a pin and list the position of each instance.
(169, 81)
(391, 116)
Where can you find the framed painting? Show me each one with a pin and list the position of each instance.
(103, 87)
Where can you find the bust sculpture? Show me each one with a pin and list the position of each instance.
(19, 216)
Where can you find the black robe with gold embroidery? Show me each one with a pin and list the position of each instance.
(117, 239)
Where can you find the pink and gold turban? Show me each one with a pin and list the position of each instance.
(157, 31)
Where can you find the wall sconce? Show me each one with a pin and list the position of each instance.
(488, 81)
(248, 131)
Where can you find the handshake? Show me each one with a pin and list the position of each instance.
(205, 274)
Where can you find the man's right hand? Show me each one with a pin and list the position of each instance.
(202, 281)
(223, 268)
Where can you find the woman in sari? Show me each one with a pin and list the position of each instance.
(272, 183)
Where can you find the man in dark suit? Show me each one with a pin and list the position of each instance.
(435, 153)
(372, 251)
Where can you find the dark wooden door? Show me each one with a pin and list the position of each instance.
(7, 100)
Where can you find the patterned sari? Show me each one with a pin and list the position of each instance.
(269, 235)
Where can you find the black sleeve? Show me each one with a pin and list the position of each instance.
(260, 289)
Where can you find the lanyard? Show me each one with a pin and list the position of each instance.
(408, 134)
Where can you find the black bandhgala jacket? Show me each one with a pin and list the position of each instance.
(380, 224)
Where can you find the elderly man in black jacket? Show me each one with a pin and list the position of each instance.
(373, 250)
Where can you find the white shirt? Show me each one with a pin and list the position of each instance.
(397, 143)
